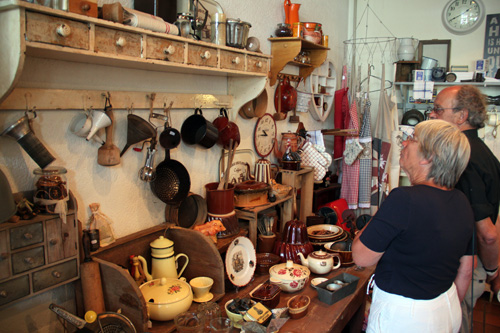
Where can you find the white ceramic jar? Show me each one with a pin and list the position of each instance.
(406, 50)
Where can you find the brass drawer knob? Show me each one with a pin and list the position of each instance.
(53, 242)
(3, 294)
(121, 42)
(28, 236)
(85, 7)
(56, 274)
(205, 55)
(236, 60)
(258, 64)
(63, 30)
(169, 50)
(29, 260)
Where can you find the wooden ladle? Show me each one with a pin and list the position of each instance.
(109, 154)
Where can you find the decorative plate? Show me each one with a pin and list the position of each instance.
(322, 231)
(241, 261)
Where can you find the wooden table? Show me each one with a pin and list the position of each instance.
(321, 317)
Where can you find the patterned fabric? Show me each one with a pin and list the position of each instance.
(365, 159)
(313, 158)
(350, 173)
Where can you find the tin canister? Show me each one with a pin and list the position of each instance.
(298, 29)
(324, 40)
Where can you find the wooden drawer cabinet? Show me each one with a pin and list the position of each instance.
(164, 49)
(257, 64)
(26, 235)
(14, 289)
(56, 30)
(232, 60)
(117, 42)
(39, 254)
(202, 56)
(26, 260)
(4, 256)
(54, 275)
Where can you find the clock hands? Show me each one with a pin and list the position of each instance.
(265, 133)
(459, 15)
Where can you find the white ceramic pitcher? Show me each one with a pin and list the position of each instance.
(406, 50)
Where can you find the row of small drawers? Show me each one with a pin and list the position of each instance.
(25, 257)
(64, 32)
(19, 287)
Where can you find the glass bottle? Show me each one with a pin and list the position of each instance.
(51, 189)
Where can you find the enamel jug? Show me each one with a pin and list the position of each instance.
(163, 260)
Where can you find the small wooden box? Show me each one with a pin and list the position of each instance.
(83, 7)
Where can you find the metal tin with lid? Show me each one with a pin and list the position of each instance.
(237, 33)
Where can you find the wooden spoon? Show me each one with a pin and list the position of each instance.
(109, 154)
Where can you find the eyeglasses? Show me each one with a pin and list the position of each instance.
(439, 111)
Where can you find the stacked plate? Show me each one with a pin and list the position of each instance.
(321, 234)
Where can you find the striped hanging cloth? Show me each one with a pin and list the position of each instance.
(365, 158)
(384, 125)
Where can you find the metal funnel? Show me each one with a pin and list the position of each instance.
(21, 131)
(138, 130)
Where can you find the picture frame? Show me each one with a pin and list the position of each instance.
(438, 49)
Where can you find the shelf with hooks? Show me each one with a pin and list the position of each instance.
(58, 99)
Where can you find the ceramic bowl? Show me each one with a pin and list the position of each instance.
(345, 256)
(289, 277)
(298, 305)
(236, 318)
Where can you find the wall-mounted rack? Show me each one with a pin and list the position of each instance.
(58, 99)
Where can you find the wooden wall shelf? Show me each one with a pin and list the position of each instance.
(285, 49)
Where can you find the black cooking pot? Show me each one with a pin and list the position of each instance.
(197, 130)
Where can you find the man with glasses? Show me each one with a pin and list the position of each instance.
(464, 106)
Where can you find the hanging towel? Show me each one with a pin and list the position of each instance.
(384, 126)
(350, 173)
(340, 114)
(365, 158)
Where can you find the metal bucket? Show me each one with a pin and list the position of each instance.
(237, 33)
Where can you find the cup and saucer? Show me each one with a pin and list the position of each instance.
(205, 298)
(201, 289)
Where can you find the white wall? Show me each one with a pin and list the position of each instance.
(421, 20)
(127, 200)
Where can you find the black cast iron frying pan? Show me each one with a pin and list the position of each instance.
(172, 182)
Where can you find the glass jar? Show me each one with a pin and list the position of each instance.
(218, 29)
(51, 189)
(298, 29)
(283, 30)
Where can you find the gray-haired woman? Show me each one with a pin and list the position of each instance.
(421, 238)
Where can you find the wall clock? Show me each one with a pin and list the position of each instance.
(463, 16)
(264, 136)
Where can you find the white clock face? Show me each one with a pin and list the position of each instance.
(463, 16)
(265, 135)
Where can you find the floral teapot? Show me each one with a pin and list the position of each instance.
(163, 261)
(320, 262)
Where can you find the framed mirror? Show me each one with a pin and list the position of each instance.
(438, 49)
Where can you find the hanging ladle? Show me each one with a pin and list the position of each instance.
(170, 137)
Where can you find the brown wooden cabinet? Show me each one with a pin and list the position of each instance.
(37, 255)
